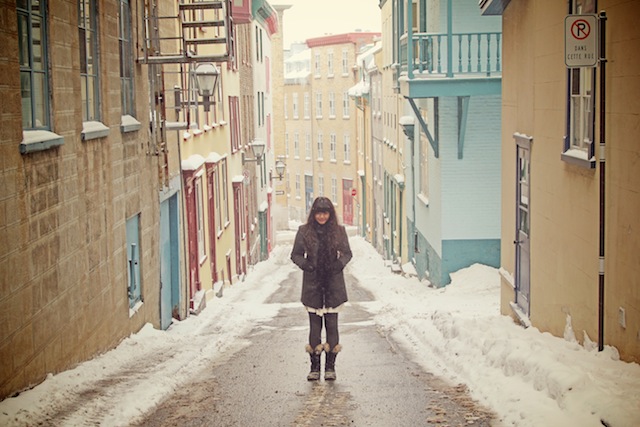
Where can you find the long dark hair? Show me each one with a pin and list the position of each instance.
(324, 204)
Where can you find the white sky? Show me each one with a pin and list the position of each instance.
(530, 379)
(315, 18)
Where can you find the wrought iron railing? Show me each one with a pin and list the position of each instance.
(451, 55)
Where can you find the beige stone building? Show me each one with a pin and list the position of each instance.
(320, 128)
(124, 199)
(85, 190)
(564, 262)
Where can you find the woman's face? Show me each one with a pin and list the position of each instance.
(322, 217)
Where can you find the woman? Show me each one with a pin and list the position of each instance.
(321, 249)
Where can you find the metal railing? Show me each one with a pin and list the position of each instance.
(451, 55)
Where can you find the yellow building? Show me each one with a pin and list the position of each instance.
(564, 261)
(320, 128)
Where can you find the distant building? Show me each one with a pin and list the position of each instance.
(438, 163)
(320, 128)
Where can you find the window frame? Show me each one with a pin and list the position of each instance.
(320, 146)
(333, 141)
(580, 106)
(89, 72)
(347, 148)
(125, 45)
(318, 105)
(30, 70)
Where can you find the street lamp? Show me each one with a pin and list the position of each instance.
(280, 165)
(407, 123)
(257, 148)
(207, 76)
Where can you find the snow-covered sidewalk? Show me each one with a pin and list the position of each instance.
(528, 378)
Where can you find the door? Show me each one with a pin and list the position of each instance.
(211, 209)
(523, 221)
(262, 225)
(347, 202)
(308, 193)
(192, 236)
(133, 259)
(166, 265)
(239, 219)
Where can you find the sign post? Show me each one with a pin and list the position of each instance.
(581, 41)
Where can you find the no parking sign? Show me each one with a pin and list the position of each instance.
(581, 41)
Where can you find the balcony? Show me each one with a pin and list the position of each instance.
(449, 64)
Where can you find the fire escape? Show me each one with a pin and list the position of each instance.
(179, 36)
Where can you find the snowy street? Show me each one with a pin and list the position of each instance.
(411, 352)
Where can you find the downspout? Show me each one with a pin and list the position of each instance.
(400, 217)
(410, 40)
(415, 193)
(603, 61)
(449, 38)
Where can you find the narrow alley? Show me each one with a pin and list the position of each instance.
(264, 384)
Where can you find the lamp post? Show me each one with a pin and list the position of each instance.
(280, 165)
(207, 76)
(257, 148)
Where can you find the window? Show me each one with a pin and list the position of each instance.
(286, 144)
(320, 146)
(578, 145)
(345, 105)
(430, 116)
(332, 147)
(89, 65)
(295, 105)
(320, 185)
(126, 60)
(345, 62)
(298, 185)
(234, 116)
(262, 112)
(296, 145)
(225, 191)
(318, 105)
(34, 79)
(217, 200)
(307, 146)
(317, 65)
(306, 105)
(260, 105)
(334, 189)
(218, 105)
(286, 106)
(330, 63)
(332, 105)
(202, 254)
(347, 148)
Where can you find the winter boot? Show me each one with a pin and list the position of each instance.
(330, 362)
(314, 373)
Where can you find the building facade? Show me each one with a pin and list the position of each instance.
(125, 191)
(319, 127)
(91, 246)
(441, 142)
(569, 246)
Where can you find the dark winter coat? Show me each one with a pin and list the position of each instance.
(322, 280)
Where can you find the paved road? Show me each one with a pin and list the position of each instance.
(264, 383)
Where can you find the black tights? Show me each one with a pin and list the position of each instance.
(331, 329)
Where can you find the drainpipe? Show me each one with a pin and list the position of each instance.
(401, 188)
(603, 61)
(450, 38)
(408, 125)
